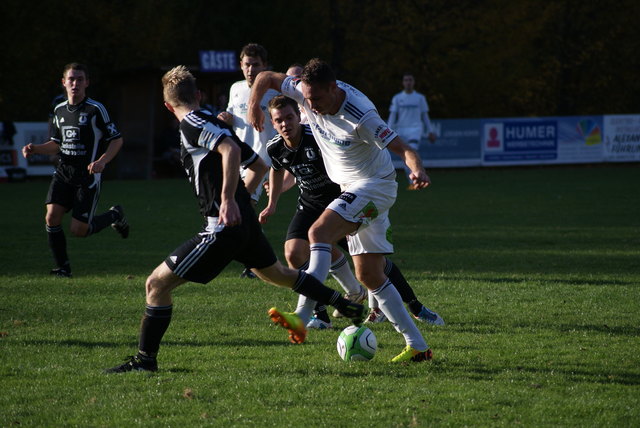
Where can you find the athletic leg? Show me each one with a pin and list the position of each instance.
(370, 271)
(57, 240)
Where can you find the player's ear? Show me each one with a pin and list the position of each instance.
(169, 107)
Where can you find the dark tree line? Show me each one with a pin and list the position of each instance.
(492, 58)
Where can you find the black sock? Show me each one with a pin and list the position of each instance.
(101, 221)
(58, 245)
(403, 287)
(309, 286)
(321, 313)
(154, 324)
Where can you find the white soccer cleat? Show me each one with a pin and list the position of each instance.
(318, 324)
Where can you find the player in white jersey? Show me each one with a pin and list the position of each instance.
(253, 60)
(409, 115)
(353, 139)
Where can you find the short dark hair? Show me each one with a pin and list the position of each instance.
(408, 73)
(76, 66)
(254, 50)
(317, 71)
(280, 101)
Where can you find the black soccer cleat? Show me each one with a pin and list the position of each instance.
(62, 272)
(353, 311)
(121, 226)
(134, 363)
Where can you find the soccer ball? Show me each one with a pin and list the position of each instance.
(357, 344)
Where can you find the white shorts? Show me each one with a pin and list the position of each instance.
(368, 202)
(411, 136)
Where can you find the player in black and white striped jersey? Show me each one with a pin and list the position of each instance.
(212, 156)
(87, 140)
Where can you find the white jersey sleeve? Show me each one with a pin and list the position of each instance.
(291, 88)
(373, 130)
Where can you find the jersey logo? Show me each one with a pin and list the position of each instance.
(112, 129)
(311, 154)
(70, 133)
(343, 206)
(382, 132)
(173, 259)
(349, 197)
(83, 119)
(370, 211)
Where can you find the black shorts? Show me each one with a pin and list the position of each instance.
(301, 223)
(81, 195)
(203, 257)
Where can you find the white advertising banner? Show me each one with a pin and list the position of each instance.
(11, 156)
(622, 138)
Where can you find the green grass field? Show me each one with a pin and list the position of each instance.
(536, 272)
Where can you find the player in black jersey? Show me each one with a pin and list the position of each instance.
(295, 150)
(212, 155)
(87, 140)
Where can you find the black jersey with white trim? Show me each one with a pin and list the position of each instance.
(307, 166)
(200, 133)
(82, 131)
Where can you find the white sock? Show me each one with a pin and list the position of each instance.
(342, 273)
(373, 303)
(305, 308)
(392, 306)
(319, 261)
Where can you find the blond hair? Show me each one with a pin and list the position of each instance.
(179, 87)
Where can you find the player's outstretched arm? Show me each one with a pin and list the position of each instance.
(266, 80)
(412, 159)
(48, 148)
(275, 190)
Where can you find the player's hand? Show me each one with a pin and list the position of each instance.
(96, 167)
(226, 117)
(27, 150)
(266, 213)
(255, 118)
(229, 213)
(420, 179)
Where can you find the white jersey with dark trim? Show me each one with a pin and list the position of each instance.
(354, 140)
(200, 133)
(238, 105)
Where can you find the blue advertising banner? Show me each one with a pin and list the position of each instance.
(218, 61)
(550, 140)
